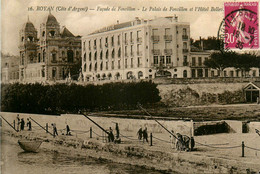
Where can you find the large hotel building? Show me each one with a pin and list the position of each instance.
(142, 49)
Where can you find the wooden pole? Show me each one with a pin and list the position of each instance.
(243, 149)
(90, 132)
(151, 139)
(47, 127)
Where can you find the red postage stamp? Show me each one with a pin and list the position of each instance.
(241, 25)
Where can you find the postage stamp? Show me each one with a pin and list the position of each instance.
(241, 25)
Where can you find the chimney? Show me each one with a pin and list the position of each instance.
(201, 44)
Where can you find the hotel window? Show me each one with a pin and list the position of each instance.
(162, 60)
(85, 67)
(84, 45)
(138, 34)
(155, 59)
(95, 42)
(200, 61)
(206, 72)
(95, 56)
(139, 61)
(54, 72)
(185, 45)
(125, 50)
(118, 39)
(85, 57)
(131, 36)
(125, 37)
(89, 56)
(106, 65)
(132, 53)
(112, 65)
(113, 53)
(125, 63)
(90, 67)
(101, 66)
(89, 44)
(168, 59)
(118, 64)
(119, 52)
(184, 31)
(132, 62)
(112, 40)
(106, 44)
(193, 61)
(101, 55)
(100, 42)
(107, 54)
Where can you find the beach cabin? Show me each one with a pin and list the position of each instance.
(252, 92)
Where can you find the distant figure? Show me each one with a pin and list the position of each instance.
(55, 132)
(140, 134)
(117, 131)
(68, 130)
(172, 139)
(29, 124)
(111, 135)
(22, 124)
(145, 135)
(18, 122)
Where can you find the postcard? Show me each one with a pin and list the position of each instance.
(130, 86)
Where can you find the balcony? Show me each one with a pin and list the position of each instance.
(185, 50)
(139, 53)
(168, 51)
(185, 63)
(185, 37)
(95, 47)
(155, 38)
(156, 51)
(106, 44)
(168, 37)
(139, 40)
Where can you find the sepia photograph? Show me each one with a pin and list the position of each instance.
(126, 87)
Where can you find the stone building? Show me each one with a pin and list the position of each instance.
(143, 49)
(49, 57)
(9, 68)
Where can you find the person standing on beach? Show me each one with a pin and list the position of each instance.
(140, 133)
(55, 132)
(145, 135)
(111, 135)
(18, 122)
(29, 124)
(117, 131)
(22, 124)
(68, 130)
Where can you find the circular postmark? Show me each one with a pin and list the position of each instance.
(238, 30)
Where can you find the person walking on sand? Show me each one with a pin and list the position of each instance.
(145, 135)
(18, 122)
(140, 133)
(22, 124)
(68, 132)
(55, 132)
(29, 124)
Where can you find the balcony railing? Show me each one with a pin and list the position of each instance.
(139, 39)
(185, 37)
(185, 63)
(156, 51)
(155, 38)
(139, 53)
(185, 50)
(168, 51)
(106, 44)
(168, 37)
(95, 47)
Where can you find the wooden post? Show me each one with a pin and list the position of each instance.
(191, 134)
(243, 149)
(151, 139)
(14, 124)
(90, 132)
(46, 127)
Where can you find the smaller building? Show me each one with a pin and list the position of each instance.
(9, 68)
(252, 92)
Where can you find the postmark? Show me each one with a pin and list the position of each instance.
(239, 29)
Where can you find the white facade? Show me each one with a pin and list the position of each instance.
(136, 50)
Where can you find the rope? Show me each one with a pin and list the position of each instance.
(127, 137)
(252, 148)
(218, 147)
(97, 134)
(161, 139)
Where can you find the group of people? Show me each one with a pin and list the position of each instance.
(55, 131)
(21, 123)
(111, 137)
(143, 134)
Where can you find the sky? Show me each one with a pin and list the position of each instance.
(14, 13)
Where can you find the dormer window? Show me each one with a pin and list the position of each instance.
(43, 33)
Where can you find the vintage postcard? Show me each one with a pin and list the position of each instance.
(130, 86)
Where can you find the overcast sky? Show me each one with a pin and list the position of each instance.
(14, 14)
